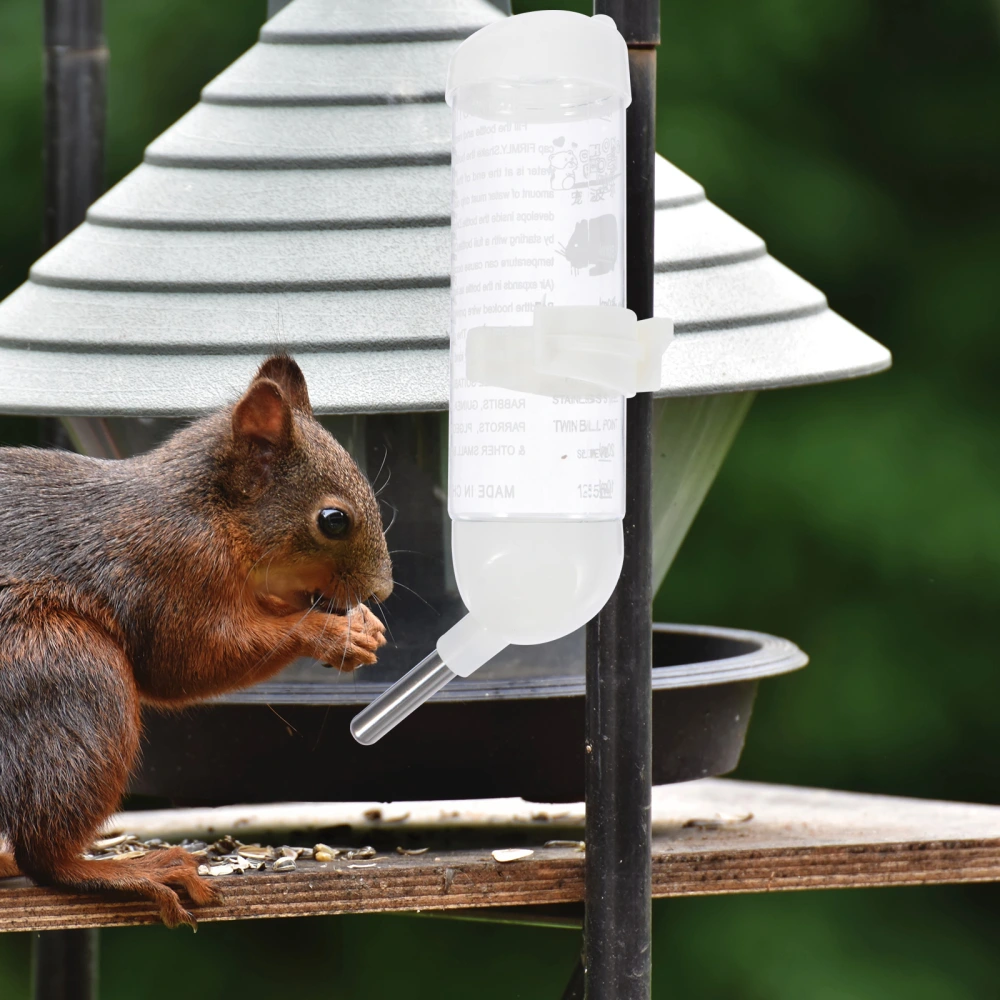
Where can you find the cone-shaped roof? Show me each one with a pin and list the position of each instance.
(304, 204)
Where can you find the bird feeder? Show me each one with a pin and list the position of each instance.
(305, 205)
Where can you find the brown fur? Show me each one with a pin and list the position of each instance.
(164, 579)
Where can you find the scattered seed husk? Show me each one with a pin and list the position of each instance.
(227, 855)
(717, 821)
(215, 870)
(505, 854)
(257, 853)
(109, 842)
(575, 845)
(360, 853)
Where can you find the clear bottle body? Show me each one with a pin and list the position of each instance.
(536, 483)
(538, 210)
(538, 214)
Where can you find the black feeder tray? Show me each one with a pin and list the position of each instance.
(513, 729)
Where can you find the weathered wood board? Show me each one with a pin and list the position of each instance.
(711, 836)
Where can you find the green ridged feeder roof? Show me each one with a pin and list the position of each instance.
(304, 205)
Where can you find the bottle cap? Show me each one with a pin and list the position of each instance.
(545, 64)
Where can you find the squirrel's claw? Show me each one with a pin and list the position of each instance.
(177, 916)
(354, 642)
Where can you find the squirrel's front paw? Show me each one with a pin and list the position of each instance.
(362, 636)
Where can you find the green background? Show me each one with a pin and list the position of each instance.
(862, 140)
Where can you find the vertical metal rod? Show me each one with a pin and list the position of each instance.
(618, 920)
(76, 66)
(64, 963)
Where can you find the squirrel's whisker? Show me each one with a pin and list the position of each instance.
(388, 479)
(290, 634)
(284, 720)
(395, 514)
(343, 655)
(326, 620)
(392, 507)
(266, 553)
(267, 572)
(322, 726)
(385, 618)
(398, 583)
(385, 455)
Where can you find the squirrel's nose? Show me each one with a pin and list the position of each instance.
(382, 579)
(382, 584)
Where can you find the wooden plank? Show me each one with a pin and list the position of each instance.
(711, 837)
(780, 811)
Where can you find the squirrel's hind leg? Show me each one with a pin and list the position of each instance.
(8, 866)
(150, 877)
(69, 735)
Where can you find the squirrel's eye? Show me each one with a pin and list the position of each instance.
(333, 522)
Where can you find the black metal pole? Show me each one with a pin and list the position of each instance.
(76, 67)
(64, 963)
(618, 919)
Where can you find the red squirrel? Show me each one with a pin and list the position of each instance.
(248, 539)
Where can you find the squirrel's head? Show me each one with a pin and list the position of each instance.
(310, 516)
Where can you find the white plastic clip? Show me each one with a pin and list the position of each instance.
(571, 351)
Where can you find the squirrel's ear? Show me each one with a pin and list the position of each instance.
(285, 372)
(263, 415)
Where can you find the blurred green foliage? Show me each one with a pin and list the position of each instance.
(861, 140)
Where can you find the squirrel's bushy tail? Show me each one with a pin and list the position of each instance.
(69, 735)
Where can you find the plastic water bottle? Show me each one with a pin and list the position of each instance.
(535, 481)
